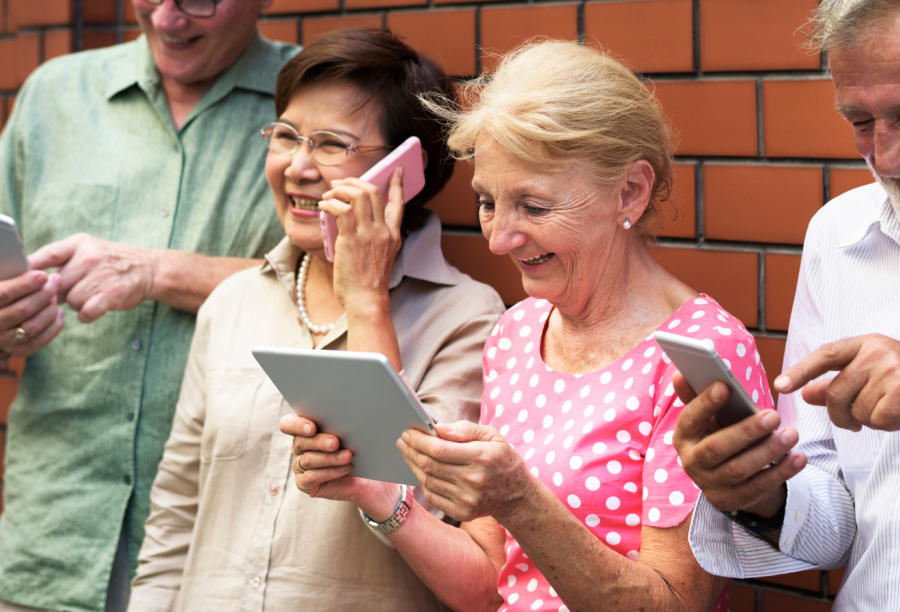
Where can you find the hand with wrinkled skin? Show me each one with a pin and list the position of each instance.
(326, 467)
(29, 301)
(98, 276)
(468, 470)
(866, 391)
(741, 467)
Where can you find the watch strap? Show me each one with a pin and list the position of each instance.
(756, 525)
(392, 523)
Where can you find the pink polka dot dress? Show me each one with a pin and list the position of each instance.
(602, 442)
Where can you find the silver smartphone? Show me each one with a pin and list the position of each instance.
(13, 261)
(701, 366)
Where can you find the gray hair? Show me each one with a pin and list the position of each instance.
(846, 23)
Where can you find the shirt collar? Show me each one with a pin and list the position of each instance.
(421, 257)
(135, 67)
(878, 214)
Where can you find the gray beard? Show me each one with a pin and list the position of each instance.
(891, 187)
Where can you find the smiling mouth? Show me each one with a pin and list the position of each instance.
(304, 203)
(176, 41)
(537, 259)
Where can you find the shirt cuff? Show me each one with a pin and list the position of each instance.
(796, 511)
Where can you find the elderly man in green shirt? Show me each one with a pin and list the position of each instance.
(137, 171)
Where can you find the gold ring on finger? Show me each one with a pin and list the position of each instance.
(21, 336)
(300, 468)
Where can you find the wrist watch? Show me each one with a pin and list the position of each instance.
(397, 519)
(756, 525)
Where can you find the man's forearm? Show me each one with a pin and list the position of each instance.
(184, 280)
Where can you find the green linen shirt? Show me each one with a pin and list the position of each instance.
(91, 147)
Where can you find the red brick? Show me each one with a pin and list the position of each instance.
(28, 54)
(3, 113)
(758, 35)
(843, 180)
(130, 34)
(771, 353)
(9, 71)
(96, 39)
(742, 598)
(782, 271)
(808, 580)
(457, 204)
(28, 13)
(679, 216)
(370, 4)
(56, 43)
(313, 28)
(729, 277)
(760, 203)
(130, 16)
(711, 117)
(284, 30)
(799, 120)
(774, 601)
(653, 35)
(505, 28)
(834, 580)
(447, 36)
(3, 12)
(9, 377)
(99, 11)
(471, 254)
(303, 6)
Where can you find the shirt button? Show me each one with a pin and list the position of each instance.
(129, 417)
(136, 345)
(126, 479)
(273, 490)
(255, 582)
(788, 542)
(164, 212)
(798, 515)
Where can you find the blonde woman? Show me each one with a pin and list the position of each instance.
(570, 491)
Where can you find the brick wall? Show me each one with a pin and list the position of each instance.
(759, 147)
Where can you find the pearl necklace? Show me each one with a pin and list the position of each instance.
(301, 305)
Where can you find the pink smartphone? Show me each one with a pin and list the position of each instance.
(408, 155)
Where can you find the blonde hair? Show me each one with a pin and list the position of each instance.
(577, 103)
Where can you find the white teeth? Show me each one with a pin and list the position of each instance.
(538, 259)
(305, 203)
(172, 39)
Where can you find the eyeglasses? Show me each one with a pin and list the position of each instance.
(192, 8)
(326, 148)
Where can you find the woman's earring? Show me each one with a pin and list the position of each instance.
(627, 224)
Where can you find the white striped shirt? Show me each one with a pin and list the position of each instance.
(849, 285)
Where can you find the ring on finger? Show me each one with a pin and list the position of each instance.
(300, 468)
(21, 336)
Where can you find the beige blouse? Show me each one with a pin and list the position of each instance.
(228, 530)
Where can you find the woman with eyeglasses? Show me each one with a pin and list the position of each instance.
(228, 530)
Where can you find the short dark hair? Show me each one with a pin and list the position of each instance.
(392, 75)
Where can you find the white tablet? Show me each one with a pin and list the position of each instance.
(356, 396)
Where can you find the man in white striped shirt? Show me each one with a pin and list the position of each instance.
(821, 492)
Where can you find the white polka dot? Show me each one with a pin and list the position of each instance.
(573, 501)
(491, 376)
(551, 456)
(513, 598)
(647, 367)
(567, 405)
(548, 439)
(538, 304)
(523, 414)
(591, 520)
(748, 373)
(723, 330)
(540, 401)
(676, 498)
(528, 436)
(645, 428)
(632, 520)
(498, 410)
(559, 386)
(552, 592)
(609, 397)
(674, 324)
(514, 379)
(504, 344)
(528, 347)
(613, 503)
(660, 475)
(645, 493)
(634, 455)
(614, 467)
(627, 364)
(755, 396)
(535, 379)
(568, 442)
(697, 314)
(511, 580)
(492, 352)
(623, 436)
(557, 479)
(511, 363)
(544, 316)
(599, 448)
(592, 483)
(632, 403)
(653, 515)
(700, 301)
(605, 378)
(650, 350)
(630, 487)
(534, 470)
(629, 382)
(517, 396)
(669, 390)
(668, 437)
(589, 411)
(693, 328)
(518, 314)
(525, 331)
(495, 392)
(530, 453)
(522, 567)
(568, 424)
(741, 349)
(651, 453)
(548, 421)
(588, 427)
(529, 363)
(504, 430)
(537, 604)
(584, 391)
(610, 415)
(613, 538)
(631, 554)
(575, 462)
